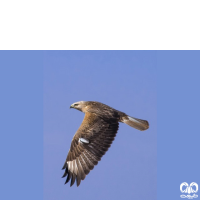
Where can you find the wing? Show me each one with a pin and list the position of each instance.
(98, 135)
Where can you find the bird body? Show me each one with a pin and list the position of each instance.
(94, 137)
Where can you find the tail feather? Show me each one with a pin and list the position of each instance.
(136, 123)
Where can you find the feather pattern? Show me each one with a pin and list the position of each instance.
(82, 157)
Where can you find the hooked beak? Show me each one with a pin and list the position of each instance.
(71, 106)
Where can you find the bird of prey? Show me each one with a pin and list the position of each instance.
(94, 137)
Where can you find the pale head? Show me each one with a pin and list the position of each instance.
(80, 105)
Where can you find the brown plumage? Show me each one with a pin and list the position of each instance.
(94, 137)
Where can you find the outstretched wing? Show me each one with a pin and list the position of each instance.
(89, 144)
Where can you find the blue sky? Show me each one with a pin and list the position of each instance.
(125, 80)
(37, 88)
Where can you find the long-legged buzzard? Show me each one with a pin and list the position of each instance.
(94, 137)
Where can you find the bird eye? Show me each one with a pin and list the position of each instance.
(75, 104)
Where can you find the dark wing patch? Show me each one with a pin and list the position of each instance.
(83, 157)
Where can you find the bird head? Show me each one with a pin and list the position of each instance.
(80, 105)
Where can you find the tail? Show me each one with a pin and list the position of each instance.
(135, 123)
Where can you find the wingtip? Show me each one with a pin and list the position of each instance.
(64, 166)
(72, 179)
(66, 181)
(65, 174)
(78, 180)
(68, 177)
